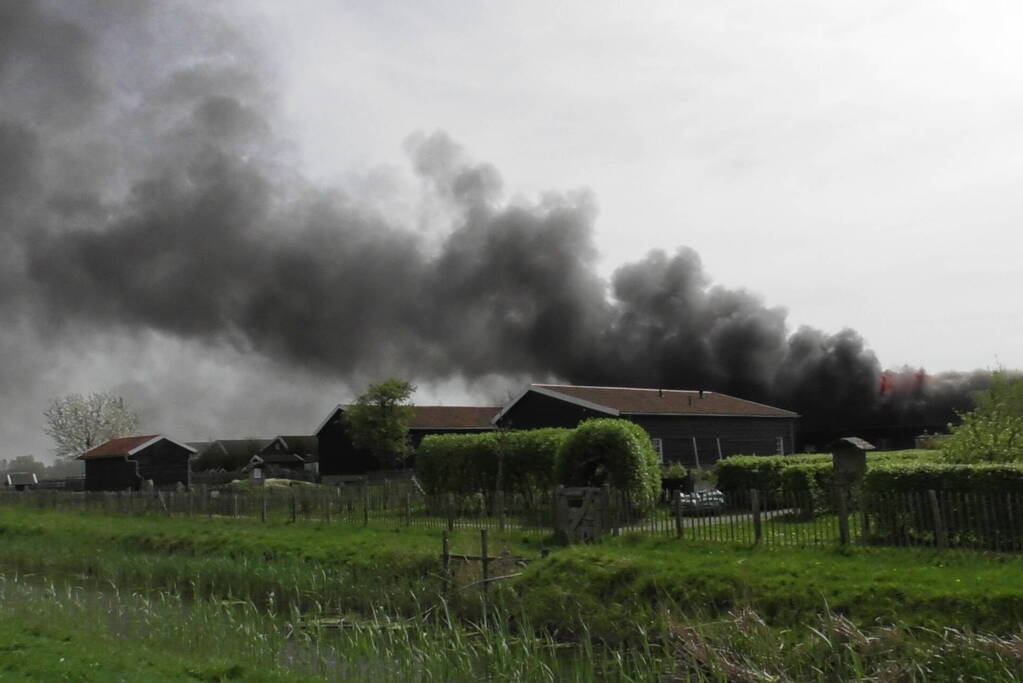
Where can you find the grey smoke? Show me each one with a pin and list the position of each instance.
(145, 188)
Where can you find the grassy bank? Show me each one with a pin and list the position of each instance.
(124, 598)
(594, 588)
(602, 584)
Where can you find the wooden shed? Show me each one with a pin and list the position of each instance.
(692, 427)
(300, 453)
(127, 462)
(339, 458)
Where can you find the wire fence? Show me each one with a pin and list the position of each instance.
(938, 519)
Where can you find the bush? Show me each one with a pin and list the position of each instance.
(738, 474)
(993, 432)
(457, 463)
(980, 505)
(465, 464)
(613, 452)
(923, 476)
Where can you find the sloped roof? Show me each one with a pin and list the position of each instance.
(240, 448)
(636, 401)
(124, 446)
(301, 444)
(454, 417)
(22, 479)
(440, 417)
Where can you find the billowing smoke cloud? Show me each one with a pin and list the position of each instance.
(145, 189)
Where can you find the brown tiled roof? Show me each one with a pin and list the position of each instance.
(117, 448)
(667, 401)
(453, 417)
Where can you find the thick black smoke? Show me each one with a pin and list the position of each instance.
(144, 188)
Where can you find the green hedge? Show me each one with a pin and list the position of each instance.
(981, 506)
(468, 463)
(771, 475)
(924, 476)
(613, 452)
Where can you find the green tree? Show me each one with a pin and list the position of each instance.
(993, 431)
(378, 421)
(77, 423)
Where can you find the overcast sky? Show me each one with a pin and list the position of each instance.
(855, 163)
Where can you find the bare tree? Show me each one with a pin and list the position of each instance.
(77, 423)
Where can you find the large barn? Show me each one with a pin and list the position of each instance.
(692, 427)
(339, 458)
(128, 462)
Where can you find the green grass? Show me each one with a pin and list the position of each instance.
(142, 598)
(602, 584)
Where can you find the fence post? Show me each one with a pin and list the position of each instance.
(262, 507)
(294, 508)
(758, 529)
(234, 505)
(451, 511)
(843, 516)
(446, 560)
(677, 504)
(365, 505)
(485, 559)
(940, 536)
(864, 515)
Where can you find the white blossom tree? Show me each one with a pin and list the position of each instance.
(77, 423)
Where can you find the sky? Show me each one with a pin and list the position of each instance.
(852, 163)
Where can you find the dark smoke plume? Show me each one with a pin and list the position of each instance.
(145, 188)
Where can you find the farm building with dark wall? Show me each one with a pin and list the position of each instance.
(126, 463)
(339, 457)
(689, 427)
(289, 453)
(225, 454)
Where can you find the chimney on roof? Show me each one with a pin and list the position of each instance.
(701, 394)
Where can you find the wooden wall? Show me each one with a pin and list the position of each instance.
(110, 474)
(738, 435)
(165, 463)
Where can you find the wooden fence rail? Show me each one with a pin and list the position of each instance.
(939, 519)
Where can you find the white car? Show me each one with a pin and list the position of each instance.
(709, 502)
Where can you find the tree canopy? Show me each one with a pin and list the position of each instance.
(379, 420)
(993, 431)
(77, 423)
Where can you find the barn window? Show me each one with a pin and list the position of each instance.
(659, 449)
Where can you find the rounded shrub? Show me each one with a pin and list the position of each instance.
(613, 452)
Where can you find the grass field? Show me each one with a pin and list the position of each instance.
(631, 608)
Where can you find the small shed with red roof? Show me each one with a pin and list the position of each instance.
(127, 462)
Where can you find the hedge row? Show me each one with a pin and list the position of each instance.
(980, 505)
(598, 452)
(468, 463)
(794, 474)
(901, 477)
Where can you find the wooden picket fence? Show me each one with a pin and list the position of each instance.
(939, 519)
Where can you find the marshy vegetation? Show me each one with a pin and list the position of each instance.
(109, 597)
